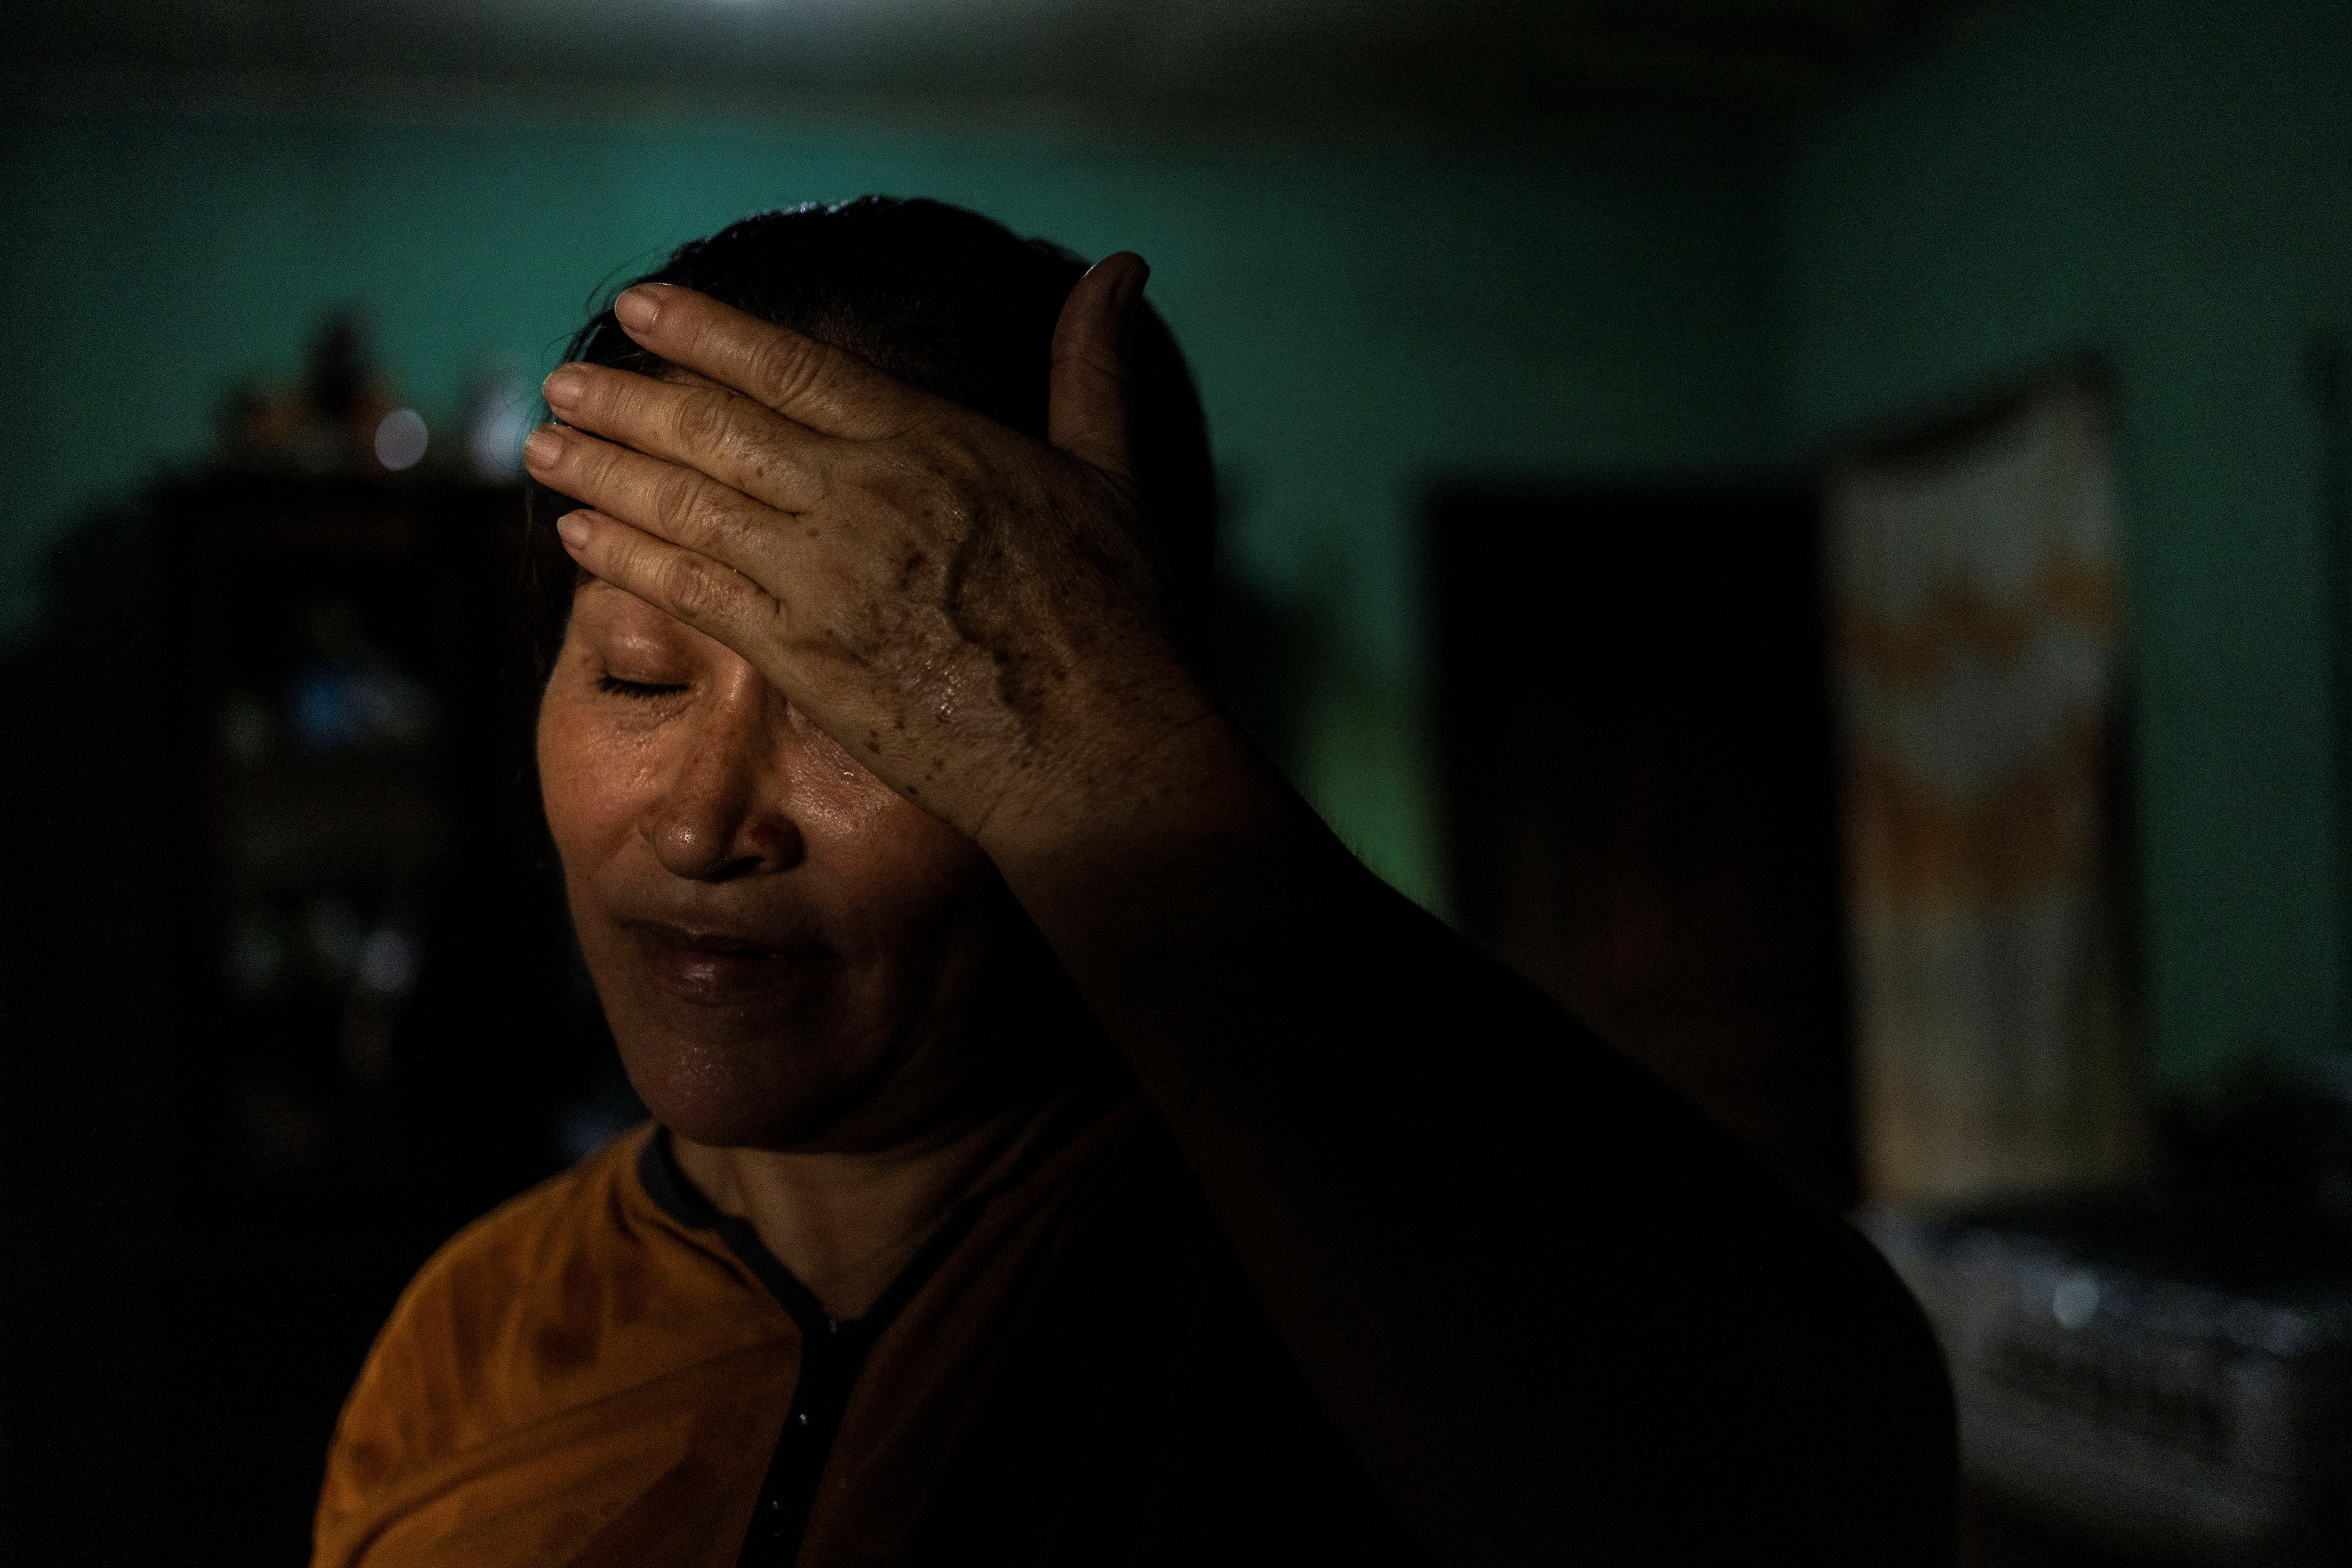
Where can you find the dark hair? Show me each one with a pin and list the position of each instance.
(951, 302)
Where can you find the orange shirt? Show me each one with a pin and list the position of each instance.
(583, 1378)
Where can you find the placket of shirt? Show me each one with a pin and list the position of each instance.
(832, 1352)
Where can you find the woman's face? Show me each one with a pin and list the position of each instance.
(788, 953)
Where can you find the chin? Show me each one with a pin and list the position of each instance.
(738, 1095)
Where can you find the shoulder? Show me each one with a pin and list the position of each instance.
(540, 1249)
(556, 1299)
(425, 1384)
(492, 1269)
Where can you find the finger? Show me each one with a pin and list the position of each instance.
(673, 502)
(1086, 411)
(829, 389)
(685, 584)
(698, 423)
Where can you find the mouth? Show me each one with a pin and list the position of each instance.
(722, 968)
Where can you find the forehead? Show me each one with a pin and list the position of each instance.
(599, 609)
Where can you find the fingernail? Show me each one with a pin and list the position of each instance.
(1137, 276)
(572, 530)
(541, 448)
(637, 308)
(561, 388)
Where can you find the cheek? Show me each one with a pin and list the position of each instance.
(899, 868)
(587, 783)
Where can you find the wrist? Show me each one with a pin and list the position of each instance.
(1175, 772)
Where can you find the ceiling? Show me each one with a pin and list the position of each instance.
(1362, 62)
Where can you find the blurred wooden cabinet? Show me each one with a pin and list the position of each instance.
(367, 874)
(291, 996)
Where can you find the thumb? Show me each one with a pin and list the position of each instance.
(1086, 409)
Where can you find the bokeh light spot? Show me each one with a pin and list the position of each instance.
(400, 439)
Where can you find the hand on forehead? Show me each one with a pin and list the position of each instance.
(877, 553)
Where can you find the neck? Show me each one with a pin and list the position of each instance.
(846, 1223)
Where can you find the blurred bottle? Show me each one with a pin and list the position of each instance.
(347, 696)
(342, 417)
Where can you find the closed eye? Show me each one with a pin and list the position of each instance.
(613, 685)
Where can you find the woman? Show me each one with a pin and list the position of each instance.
(1063, 1151)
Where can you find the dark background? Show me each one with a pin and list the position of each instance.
(1525, 332)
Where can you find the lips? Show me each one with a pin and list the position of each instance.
(721, 968)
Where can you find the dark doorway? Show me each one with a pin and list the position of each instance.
(1635, 721)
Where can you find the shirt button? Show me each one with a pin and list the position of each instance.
(803, 1417)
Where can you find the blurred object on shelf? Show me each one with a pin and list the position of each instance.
(2165, 1368)
(347, 693)
(342, 418)
(1976, 640)
(501, 405)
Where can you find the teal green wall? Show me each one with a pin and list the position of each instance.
(2167, 181)
(1362, 322)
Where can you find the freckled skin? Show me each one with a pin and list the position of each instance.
(696, 797)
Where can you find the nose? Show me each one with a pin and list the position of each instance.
(724, 813)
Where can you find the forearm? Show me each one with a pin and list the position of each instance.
(1503, 1254)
